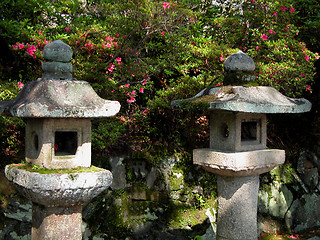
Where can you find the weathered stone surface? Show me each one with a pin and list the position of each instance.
(305, 212)
(238, 163)
(311, 178)
(56, 223)
(276, 201)
(228, 133)
(60, 99)
(42, 147)
(249, 99)
(239, 69)
(56, 70)
(59, 189)
(119, 171)
(237, 207)
(57, 51)
(239, 62)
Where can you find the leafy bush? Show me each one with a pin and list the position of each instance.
(147, 53)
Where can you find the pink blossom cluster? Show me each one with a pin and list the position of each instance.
(132, 94)
(89, 45)
(118, 60)
(110, 41)
(31, 49)
(111, 68)
(20, 85)
(166, 5)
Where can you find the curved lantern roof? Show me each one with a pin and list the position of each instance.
(57, 94)
(255, 99)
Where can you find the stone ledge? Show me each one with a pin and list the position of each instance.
(249, 163)
(55, 189)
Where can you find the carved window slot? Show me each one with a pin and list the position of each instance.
(251, 131)
(65, 143)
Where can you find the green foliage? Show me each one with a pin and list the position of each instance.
(106, 134)
(11, 129)
(284, 173)
(146, 54)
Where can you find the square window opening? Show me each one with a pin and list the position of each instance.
(65, 143)
(249, 131)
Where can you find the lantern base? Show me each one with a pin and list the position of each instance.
(56, 223)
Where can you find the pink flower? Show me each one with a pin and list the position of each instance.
(308, 88)
(283, 8)
(141, 90)
(275, 13)
(108, 45)
(162, 33)
(112, 67)
(132, 74)
(307, 58)
(15, 46)
(218, 84)
(166, 5)
(20, 46)
(293, 237)
(118, 59)
(127, 85)
(292, 10)
(133, 93)
(131, 100)
(40, 32)
(67, 29)
(221, 58)
(20, 85)
(144, 82)
(257, 48)
(264, 37)
(31, 50)
(270, 31)
(145, 112)
(252, 1)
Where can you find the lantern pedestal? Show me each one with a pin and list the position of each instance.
(238, 186)
(58, 199)
(56, 223)
(237, 207)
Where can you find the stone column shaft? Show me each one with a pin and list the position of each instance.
(237, 208)
(56, 223)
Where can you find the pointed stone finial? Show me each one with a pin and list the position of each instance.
(239, 68)
(57, 66)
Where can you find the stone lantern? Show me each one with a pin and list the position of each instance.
(57, 110)
(238, 152)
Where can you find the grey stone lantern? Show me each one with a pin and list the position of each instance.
(238, 152)
(57, 110)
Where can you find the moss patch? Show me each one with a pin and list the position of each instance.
(35, 168)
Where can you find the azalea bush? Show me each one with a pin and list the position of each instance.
(147, 53)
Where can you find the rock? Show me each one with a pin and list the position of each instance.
(275, 202)
(307, 159)
(305, 212)
(311, 178)
(20, 211)
(314, 238)
(270, 225)
(151, 178)
(119, 173)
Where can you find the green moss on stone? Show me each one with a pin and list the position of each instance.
(35, 168)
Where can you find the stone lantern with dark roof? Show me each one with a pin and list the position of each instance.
(57, 109)
(238, 153)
